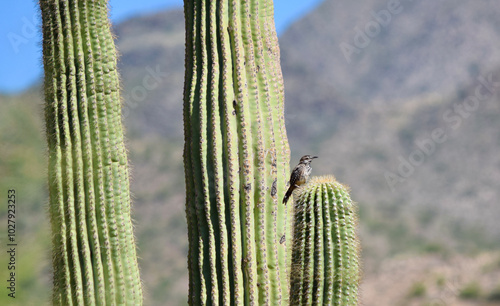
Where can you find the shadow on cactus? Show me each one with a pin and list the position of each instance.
(325, 252)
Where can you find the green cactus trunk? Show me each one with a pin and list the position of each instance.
(236, 154)
(325, 255)
(94, 255)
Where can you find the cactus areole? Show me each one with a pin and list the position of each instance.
(94, 254)
(236, 154)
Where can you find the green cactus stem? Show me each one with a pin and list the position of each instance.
(94, 254)
(325, 252)
(236, 154)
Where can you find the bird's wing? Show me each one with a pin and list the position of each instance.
(295, 176)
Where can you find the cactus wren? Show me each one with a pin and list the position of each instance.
(300, 175)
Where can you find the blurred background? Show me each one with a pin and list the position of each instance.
(398, 98)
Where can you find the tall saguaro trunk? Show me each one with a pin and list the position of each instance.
(94, 255)
(236, 154)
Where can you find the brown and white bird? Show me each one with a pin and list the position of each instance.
(300, 175)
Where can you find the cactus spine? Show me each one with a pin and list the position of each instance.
(325, 253)
(94, 255)
(236, 154)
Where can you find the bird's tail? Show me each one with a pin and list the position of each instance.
(287, 195)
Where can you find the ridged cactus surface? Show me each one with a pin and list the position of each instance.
(236, 154)
(94, 255)
(325, 256)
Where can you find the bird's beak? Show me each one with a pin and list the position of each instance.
(314, 157)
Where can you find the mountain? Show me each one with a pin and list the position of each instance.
(394, 53)
(366, 85)
(398, 51)
(399, 124)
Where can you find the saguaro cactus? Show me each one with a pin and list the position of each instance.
(325, 255)
(94, 256)
(236, 154)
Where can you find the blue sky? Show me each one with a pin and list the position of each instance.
(20, 37)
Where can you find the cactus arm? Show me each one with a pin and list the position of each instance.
(325, 260)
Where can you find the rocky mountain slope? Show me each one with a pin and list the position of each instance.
(346, 55)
